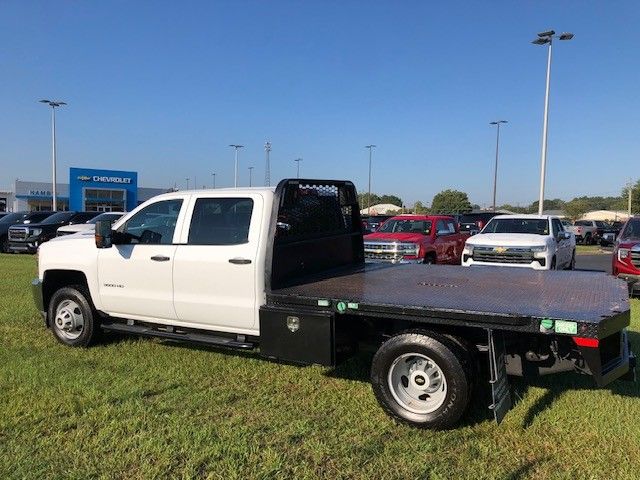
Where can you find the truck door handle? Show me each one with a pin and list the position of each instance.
(240, 261)
(160, 258)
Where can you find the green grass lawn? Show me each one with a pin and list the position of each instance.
(592, 249)
(140, 408)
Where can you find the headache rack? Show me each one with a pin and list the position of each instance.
(315, 227)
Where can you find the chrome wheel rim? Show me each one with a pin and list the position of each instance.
(69, 321)
(417, 383)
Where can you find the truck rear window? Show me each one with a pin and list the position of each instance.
(220, 221)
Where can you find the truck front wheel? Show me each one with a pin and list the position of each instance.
(71, 317)
(419, 379)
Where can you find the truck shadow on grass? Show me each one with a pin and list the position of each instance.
(557, 385)
(357, 368)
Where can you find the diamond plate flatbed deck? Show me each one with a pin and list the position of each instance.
(512, 297)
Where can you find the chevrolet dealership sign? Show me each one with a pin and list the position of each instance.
(104, 179)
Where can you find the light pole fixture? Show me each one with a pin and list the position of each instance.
(495, 170)
(250, 175)
(298, 160)
(53, 104)
(267, 170)
(370, 147)
(213, 175)
(546, 38)
(235, 176)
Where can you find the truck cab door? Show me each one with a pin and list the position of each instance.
(135, 274)
(563, 244)
(442, 242)
(215, 274)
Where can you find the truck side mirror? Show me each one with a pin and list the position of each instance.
(103, 234)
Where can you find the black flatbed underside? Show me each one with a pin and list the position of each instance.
(514, 298)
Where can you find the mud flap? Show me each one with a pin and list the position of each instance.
(500, 390)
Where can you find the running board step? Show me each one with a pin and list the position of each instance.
(201, 338)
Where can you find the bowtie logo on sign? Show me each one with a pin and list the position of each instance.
(104, 179)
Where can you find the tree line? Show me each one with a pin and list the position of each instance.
(455, 201)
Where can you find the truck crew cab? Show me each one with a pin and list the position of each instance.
(415, 239)
(283, 270)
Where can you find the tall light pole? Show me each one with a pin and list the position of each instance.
(187, 179)
(629, 191)
(250, 175)
(214, 180)
(267, 169)
(495, 170)
(546, 38)
(54, 190)
(298, 160)
(370, 147)
(235, 176)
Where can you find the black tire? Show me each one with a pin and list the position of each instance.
(446, 355)
(78, 298)
(587, 239)
(553, 264)
(4, 244)
(430, 259)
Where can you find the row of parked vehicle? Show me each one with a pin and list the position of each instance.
(26, 231)
(531, 241)
(539, 242)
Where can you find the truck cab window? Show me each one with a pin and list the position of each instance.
(220, 221)
(153, 225)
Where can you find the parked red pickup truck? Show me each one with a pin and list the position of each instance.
(416, 239)
(626, 254)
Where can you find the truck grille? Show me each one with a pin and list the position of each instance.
(386, 252)
(507, 255)
(635, 259)
(18, 233)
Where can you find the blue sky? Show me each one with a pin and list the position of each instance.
(163, 87)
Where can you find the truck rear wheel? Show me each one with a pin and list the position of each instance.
(419, 379)
(71, 317)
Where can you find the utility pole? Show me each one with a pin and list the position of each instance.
(235, 176)
(187, 179)
(370, 147)
(54, 189)
(546, 38)
(495, 171)
(214, 180)
(629, 191)
(298, 160)
(250, 175)
(267, 169)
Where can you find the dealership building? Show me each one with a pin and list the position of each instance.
(87, 190)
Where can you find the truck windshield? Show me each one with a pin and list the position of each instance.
(12, 218)
(406, 226)
(632, 230)
(60, 217)
(536, 226)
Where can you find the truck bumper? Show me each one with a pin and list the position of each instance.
(38, 298)
(23, 247)
(394, 262)
(633, 281)
(621, 367)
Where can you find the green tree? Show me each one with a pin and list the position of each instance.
(392, 199)
(450, 201)
(419, 208)
(549, 204)
(635, 198)
(576, 208)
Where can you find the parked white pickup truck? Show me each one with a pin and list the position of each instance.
(283, 270)
(531, 241)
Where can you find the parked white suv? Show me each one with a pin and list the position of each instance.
(532, 241)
